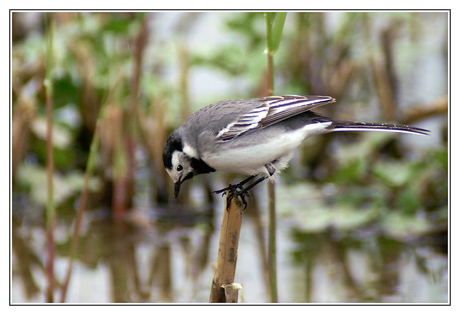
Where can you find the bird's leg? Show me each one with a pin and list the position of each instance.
(239, 190)
(246, 189)
(270, 168)
(235, 186)
(243, 192)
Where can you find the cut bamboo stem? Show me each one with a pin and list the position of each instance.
(227, 254)
(231, 292)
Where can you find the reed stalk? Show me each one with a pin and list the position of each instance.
(90, 168)
(50, 206)
(274, 28)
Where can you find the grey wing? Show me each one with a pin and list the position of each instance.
(271, 110)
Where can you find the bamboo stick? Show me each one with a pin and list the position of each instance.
(227, 255)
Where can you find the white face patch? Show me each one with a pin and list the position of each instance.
(175, 158)
(173, 172)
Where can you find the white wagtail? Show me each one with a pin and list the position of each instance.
(253, 137)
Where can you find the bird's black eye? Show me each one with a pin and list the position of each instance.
(179, 168)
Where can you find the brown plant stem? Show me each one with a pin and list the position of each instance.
(90, 168)
(228, 253)
(76, 230)
(272, 272)
(272, 267)
(422, 111)
(50, 208)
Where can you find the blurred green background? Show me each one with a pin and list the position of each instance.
(363, 217)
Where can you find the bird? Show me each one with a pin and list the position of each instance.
(254, 137)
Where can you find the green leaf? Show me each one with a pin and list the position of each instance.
(352, 172)
(275, 25)
(93, 157)
(65, 91)
(409, 201)
(118, 24)
(277, 30)
(393, 174)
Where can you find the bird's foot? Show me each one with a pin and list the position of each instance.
(235, 190)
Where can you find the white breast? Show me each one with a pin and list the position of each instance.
(250, 160)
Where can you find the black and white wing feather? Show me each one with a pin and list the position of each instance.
(272, 110)
(339, 125)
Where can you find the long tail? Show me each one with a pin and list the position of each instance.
(364, 126)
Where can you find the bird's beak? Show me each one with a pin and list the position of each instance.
(176, 189)
(179, 182)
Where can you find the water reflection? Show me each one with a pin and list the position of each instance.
(368, 269)
(156, 244)
(167, 256)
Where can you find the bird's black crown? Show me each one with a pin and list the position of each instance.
(174, 143)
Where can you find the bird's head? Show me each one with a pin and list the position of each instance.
(177, 163)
